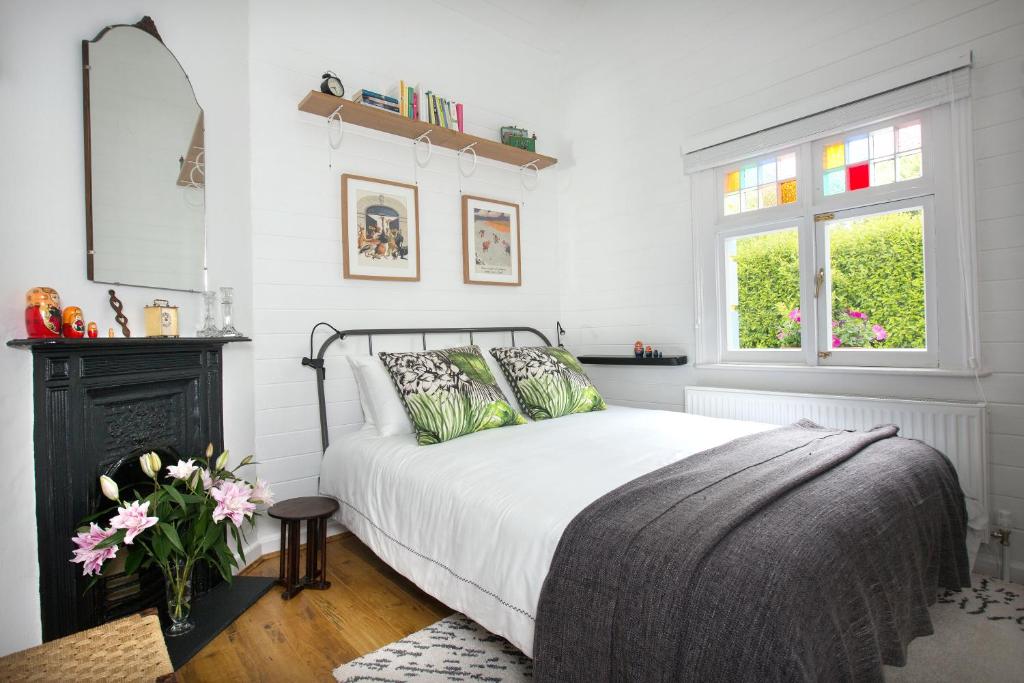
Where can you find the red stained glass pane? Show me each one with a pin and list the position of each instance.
(857, 177)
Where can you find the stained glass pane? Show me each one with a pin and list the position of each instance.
(787, 191)
(909, 137)
(908, 166)
(858, 177)
(835, 182)
(883, 172)
(732, 181)
(732, 202)
(857, 149)
(881, 143)
(787, 166)
(835, 155)
(768, 195)
(748, 177)
(766, 172)
(748, 200)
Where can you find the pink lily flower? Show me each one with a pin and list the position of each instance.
(232, 502)
(92, 559)
(133, 520)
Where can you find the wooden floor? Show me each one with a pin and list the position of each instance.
(303, 639)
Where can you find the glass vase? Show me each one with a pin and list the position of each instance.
(227, 299)
(209, 328)
(178, 584)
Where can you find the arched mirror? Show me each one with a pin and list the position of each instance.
(145, 181)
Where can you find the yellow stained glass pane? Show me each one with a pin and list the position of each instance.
(787, 191)
(835, 155)
(732, 181)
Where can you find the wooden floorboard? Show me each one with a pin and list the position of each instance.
(303, 639)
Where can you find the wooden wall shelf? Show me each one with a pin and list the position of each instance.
(385, 121)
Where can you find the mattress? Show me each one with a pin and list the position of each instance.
(475, 521)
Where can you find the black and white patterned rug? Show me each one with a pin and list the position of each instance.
(979, 636)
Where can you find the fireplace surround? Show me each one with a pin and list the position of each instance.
(99, 404)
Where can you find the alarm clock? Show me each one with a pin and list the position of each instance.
(331, 85)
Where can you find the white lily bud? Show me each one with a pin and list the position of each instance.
(144, 464)
(154, 463)
(209, 452)
(222, 461)
(109, 488)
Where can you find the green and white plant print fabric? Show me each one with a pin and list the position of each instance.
(449, 393)
(548, 381)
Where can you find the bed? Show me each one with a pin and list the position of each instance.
(520, 527)
(475, 521)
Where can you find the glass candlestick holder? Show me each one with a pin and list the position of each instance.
(209, 328)
(227, 299)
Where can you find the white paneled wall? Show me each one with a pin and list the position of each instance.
(699, 67)
(466, 52)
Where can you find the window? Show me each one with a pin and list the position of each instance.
(846, 273)
(872, 158)
(759, 184)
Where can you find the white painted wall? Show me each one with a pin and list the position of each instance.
(42, 238)
(481, 55)
(699, 66)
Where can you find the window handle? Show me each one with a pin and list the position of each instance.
(819, 280)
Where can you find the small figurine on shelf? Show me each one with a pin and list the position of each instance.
(42, 312)
(649, 352)
(638, 349)
(74, 323)
(92, 330)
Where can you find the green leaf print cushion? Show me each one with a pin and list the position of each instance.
(548, 381)
(449, 393)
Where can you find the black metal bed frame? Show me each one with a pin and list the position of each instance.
(317, 362)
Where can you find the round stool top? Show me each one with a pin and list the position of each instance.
(311, 507)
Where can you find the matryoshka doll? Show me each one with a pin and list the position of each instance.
(638, 349)
(42, 312)
(93, 330)
(74, 323)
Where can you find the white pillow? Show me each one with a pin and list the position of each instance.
(382, 407)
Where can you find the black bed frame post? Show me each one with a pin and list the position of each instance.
(317, 363)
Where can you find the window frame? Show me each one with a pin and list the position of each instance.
(899, 358)
(755, 355)
(950, 305)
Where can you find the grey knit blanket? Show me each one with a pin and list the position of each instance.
(798, 554)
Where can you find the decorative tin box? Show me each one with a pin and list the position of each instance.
(161, 319)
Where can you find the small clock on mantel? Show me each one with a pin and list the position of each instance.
(331, 85)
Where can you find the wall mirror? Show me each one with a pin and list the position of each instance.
(145, 181)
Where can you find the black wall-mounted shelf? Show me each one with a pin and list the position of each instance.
(632, 360)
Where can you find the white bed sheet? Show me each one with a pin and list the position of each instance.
(475, 521)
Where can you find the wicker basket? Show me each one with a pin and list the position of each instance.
(129, 649)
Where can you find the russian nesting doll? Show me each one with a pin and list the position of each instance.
(42, 312)
(93, 330)
(74, 323)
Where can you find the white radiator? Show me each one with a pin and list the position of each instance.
(957, 429)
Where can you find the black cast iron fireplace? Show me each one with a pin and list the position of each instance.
(99, 404)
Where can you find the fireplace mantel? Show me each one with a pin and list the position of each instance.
(100, 402)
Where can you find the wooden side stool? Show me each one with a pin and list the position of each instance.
(315, 510)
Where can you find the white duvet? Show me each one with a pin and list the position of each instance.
(475, 521)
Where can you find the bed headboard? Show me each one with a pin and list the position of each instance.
(317, 362)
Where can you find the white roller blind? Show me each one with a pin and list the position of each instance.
(922, 94)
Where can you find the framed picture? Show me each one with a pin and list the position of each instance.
(490, 242)
(380, 229)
